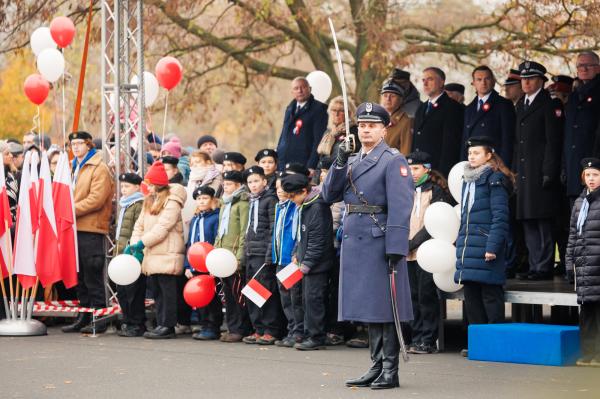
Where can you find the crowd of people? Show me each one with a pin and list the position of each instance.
(531, 168)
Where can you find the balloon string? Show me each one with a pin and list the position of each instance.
(64, 112)
(165, 121)
(36, 120)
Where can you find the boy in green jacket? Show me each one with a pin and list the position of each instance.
(233, 221)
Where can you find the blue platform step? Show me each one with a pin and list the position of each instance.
(543, 344)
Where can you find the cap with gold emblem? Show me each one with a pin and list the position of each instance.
(532, 69)
(81, 135)
(590, 163)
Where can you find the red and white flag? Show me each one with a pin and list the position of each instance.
(47, 262)
(34, 190)
(24, 254)
(5, 224)
(64, 212)
(256, 292)
(289, 275)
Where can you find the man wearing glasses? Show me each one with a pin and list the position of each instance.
(582, 117)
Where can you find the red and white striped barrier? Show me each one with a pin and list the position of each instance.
(72, 307)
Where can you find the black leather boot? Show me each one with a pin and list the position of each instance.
(160, 332)
(82, 320)
(375, 346)
(391, 356)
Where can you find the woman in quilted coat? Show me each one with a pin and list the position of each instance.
(158, 232)
(583, 259)
(481, 243)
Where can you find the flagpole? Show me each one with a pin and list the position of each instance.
(4, 298)
(32, 298)
(23, 302)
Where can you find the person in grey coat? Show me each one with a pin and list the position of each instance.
(377, 188)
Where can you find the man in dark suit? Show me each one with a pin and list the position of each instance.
(539, 131)
(490, 115)
(303, 126)
(438, 123)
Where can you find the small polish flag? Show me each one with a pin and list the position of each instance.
(289, 275)
(256, 292)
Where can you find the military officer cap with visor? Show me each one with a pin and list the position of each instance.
(514, 77)
(372, 112)
(532, 69)
(389, 86)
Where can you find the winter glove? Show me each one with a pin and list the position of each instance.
(394, 258)
(304, 269)
(546, 182)
(127, 250)
(139, 255)
(344, 151)
(138, 246)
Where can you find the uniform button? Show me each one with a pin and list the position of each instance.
(575, 126)
(483, 125)
(522, 177)
(360, 215)
(522, 123)
(345, 235)
(361, 193)
(521, 141)
(572, 146)
(418, 133)
(522, 159)
(468, 126)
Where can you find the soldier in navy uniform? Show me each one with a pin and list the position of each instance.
(512, 86)
(438, 123)
(490, 115)
(539, 134)
(377, 188)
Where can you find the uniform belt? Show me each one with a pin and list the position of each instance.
(365, 209)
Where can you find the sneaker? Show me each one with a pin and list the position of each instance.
(595, 362)
(424, 349)
(287, 342)
(411, 348)
(230, 337)
(333, 339)
(251, 339)
(181, 329)
(584, 361)
(196, 328)
(266, 339)
(131, 331)
(464, 353)
(357, 343)
(205, 335)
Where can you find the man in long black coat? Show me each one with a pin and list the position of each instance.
(438, 123)
(536, 161)
(303, 126)
(582, 113)
(490, 115)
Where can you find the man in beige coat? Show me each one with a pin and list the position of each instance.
(93, 193)
(399, 132)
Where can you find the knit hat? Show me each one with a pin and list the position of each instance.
(173, 147)
(207, 138)
(157, 175)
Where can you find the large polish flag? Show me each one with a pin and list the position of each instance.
(47, 260)
(34, 190)
(24, 259)
(64, 212)
(5, 224)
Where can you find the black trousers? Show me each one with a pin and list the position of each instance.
(589, 329)
(384, 346)
(90, 279)
(131, 298)
(484, 303)
(165, 299)
(540, 244)
(291, 302)
(560, 229)
(211, 316)
(236, 313)
(314, 299)
(426, 305)
(184, 311)
(269, 318)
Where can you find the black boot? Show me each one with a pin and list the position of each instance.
(391, 355)
(160, 332)
(375, 346)
(82, 320)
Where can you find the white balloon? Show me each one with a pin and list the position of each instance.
(455, 180)
(151, 88)
(441, 222)
(124, 269)
(41, 39)
(445, 281)
(436, 256)
(320, 84)
(221, 262)
(51, 64)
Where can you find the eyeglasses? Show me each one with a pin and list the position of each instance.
(585, 66)
(337, 111)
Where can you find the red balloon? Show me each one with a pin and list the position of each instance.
(62, 31)
(197, 255)
(36, 88)
(199, 291)
(168, 72)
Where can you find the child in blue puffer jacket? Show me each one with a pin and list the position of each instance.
(481, 243)
(283, 245)
(203, 228)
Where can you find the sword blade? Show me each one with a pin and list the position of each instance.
(342, 79)
(394, 301)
